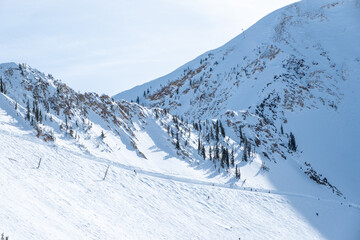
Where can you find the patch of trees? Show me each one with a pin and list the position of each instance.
(212, 142)
(319, 179)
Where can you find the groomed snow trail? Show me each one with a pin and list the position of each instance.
(66, 198)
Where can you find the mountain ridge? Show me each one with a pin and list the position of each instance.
(255, 139)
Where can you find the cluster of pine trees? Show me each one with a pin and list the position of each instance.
(212, 142)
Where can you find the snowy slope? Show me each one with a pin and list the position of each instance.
(66, 199)
(298, 68)
(289, 71)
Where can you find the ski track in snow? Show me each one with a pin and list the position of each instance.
(190, 181)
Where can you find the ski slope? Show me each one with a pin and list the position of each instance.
(113, 170)
(298, 69)
(66, 198)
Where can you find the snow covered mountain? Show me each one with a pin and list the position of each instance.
(295, 71)
(256, 139)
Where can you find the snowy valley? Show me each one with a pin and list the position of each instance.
(257, 139)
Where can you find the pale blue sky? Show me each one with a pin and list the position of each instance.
(109, 46)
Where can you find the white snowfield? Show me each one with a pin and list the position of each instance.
(112, 171)
(67, 198)
(301, 62)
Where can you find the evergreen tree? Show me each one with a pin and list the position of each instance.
(34, 108)
(177, 144)
(227, 157)
(28, 111)
(40, 117)
(1, 85)
(102, 135)
(203, 152)
(282, 130)
(211, 133)
(210, 157)
(244, 158)
(196, 126)
(237, 172)
(292, 144)
(216, 153)
(217, 131)
(232, 158)
(222, 129)
(199, 145)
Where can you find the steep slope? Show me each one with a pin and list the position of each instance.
(256, 139)
(295, 71)
(64, 154)
(67, 198)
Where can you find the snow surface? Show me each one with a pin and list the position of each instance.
(66, 198)
(154, 191)
(321, 107)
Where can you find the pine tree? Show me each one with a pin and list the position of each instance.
(1, 86)
(217, 131)
(102, 135)
(28, 111)
(203, 152)
(40, 117)
(282, 130)
(177, 144)
(222, 130)
(210, 157)
(292, 144)
(232, 158)
(244, 158)
(240, 133)
(216, 154)
(199, 145)
(237, 172)
(223, 157)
